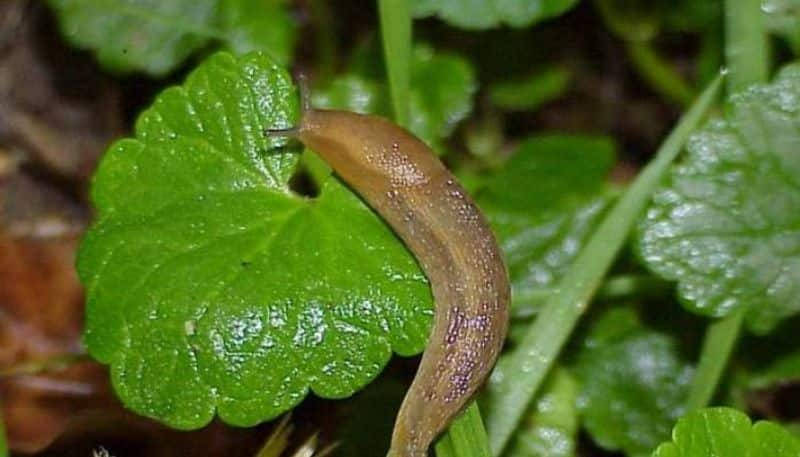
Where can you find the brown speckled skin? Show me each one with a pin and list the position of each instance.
(401, 179)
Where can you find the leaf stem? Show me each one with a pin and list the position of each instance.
(395, 16)
(746, 44)
(466, 437)
(659, 74)
(537, 351)
(718, 345)
(746, 53)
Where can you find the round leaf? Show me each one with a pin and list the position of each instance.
(726, 224)
(211, 286)
(726, 432)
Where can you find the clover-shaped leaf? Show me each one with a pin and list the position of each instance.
(156, 36)
(471, 14)
(726, 224)
(726, 432)
(212, 286)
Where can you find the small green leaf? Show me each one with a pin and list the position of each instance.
(725, 224)
(156, 36)
(532, 92)
(634, 384)
(211, 286)
(258, 25)
(726, 432)
(442, 87)
(551, 429)
(352, 92)
(479, 14)
(543, 205)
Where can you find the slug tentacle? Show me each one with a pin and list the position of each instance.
(290, 132)
(401, 179)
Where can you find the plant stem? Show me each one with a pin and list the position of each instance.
(718, 345)
(659, 74)
(746, 52)
(396, 33)
(518, 379)
(746, 44)
(466, 437)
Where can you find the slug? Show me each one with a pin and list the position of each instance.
(407, 185)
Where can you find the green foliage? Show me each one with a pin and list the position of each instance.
(258, 25)
(643, 20)
(515, 382)
(543, 204)
(726, 432)
(634, 383)
(479, 14)
(208, 280)
(551, 428)
(441, 96)
(532, 92)
(724, 223)
(155, 36)
(214, 288)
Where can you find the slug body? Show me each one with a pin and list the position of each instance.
(404, 181)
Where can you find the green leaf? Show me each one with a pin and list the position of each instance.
(532, 92)
(442, 87)
(725, 224)
(515, 386)
(258, 25)
(480, 14)
(634, 384)
(150, 35)
(543, 204)
(211, 286)
(726, 432)
(156, 36)
(551, 429)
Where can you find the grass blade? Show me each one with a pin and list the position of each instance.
(395, 16)
(513, 389)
